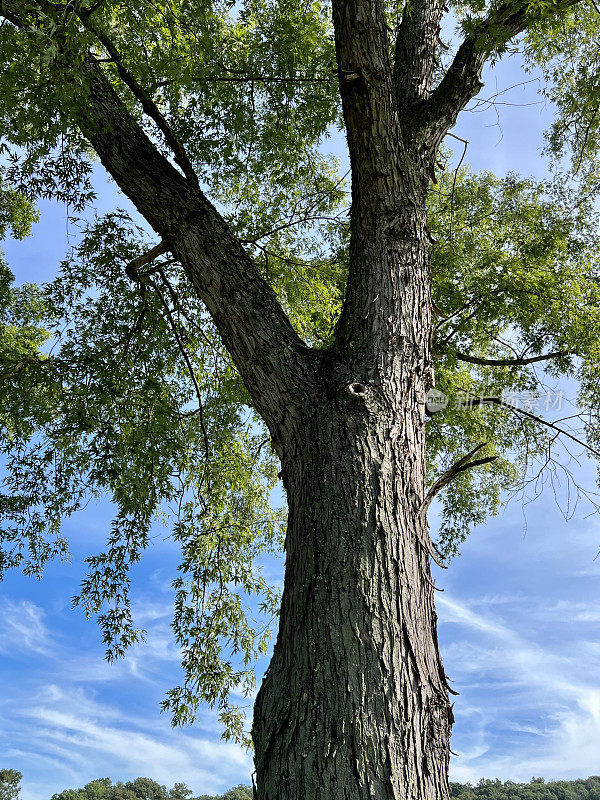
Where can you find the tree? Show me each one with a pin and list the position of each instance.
(10, 781)
(537, 788)
(138, 789)
(142, 789)
(269, 297)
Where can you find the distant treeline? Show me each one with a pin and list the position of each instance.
(147, 789)
(537, 789)
(105, 789)
(144, 789)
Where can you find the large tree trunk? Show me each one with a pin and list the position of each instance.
(355, 705)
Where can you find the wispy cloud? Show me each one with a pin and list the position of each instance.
(95, 739)
(22, 628)
(60, 729)
(529, 680)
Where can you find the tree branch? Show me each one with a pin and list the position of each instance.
(276, 366)
(190, 367)
(293, 223)
(459, 466)
(388, 195)
(497, 401)
(271, 358)
(510, 362)
(133, 268)
(462, 81)
(149, 106)
(417, 45)
(364, 73)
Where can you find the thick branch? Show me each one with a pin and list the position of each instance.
(364, 71)
(509, 362)
(133, 268)
(462, 81)
(459, 466)
(387, 276)
(270, 356)
(149, 106)
(417, 46)
(273, 361)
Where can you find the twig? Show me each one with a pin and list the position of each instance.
(459, 466)
(497, 401)
(147, 103)
(462, 158)
(291, 224)
(188, 363)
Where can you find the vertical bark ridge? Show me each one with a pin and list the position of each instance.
(388, 191)
(354, 704)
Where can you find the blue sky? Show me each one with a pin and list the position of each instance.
(519, 614)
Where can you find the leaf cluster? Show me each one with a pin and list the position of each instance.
(10, 781)
(134, 399)
(515, 274)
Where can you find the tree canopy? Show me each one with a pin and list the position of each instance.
(114, 379)
(147, 789)
(10, 781)
(536, 789)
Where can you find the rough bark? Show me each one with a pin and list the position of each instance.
(355, 705)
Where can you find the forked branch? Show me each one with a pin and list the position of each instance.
(459, 466)
(462, 80)
(133, 268)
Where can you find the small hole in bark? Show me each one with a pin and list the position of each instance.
(357, 388)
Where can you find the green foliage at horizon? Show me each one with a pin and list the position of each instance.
(143, 789)
(536, 789)
(485, 789)
(147, 789)
(10, 781)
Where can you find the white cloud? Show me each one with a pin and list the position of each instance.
(94, 739)
(22, 628)
(558, 690)
(145, 611)
(57, 729)
(573, 611)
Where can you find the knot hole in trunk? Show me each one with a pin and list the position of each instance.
(357, 389)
